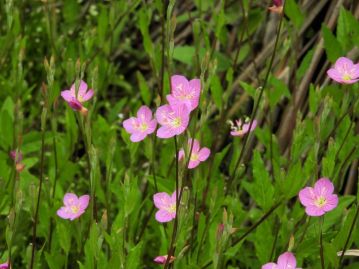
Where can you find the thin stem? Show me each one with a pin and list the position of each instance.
(348, 238)
(321, 243)
(175, 225)
(163, 44)
(56, 175)
(153, 163)
(259, 222)
(254, 113)
(34, 227)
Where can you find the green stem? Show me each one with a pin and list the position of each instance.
(321, 243)
(348, 238)
(175, 225)
(254, 113)
(34, 227)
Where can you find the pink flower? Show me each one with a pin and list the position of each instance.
(16, 156)
(173, 120)
(163, 259)
(4, 265)
(277, 3)
(197, 155)
(344, 71)
(320, 199)
(75, 100)
(141, 126)
(240, 129)
(277, 6)
(166, 205)
(285, 261)
(74, 206)
(184, 92)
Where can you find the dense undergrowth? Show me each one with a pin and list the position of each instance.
(269, 121)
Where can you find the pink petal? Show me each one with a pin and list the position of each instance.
(88, 95)
(165, 132)
(323, 187)
(164, 216)
(343, 63)
(177, 82)
(160, 259)
(196, 146)
(75, 104)
(204, 154)
(354, 72)
(144, 114)
(162, 114)
(4, 265)
(130, 124)
(335, 75)
(173, 101)
(67, 95)
(82, 88)
(174, 197)
(350, 81)
(162, 200)
(314, 211)
(138, 136)
(70, 199)
(84, 201)
(76, 215)
(332, 202)
(151, 126)
(239, 133)
(195, 86)
(64, 213)
(180, 154)
(287, 261)
(270, 265)
(193, 164)
(307, 196)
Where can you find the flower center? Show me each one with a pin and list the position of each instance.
(176, 122)
(172, 208)
(320, 201)
(194, 156)
(75, 209)
(143, 127)
(346, 77)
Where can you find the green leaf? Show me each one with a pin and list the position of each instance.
(145, 91)
(261, 189)
(186, 54)
(347, 29)
(7, 123)
(217, 91)
(293, 11)
(331, 45)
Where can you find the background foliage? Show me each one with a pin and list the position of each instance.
(127, 51)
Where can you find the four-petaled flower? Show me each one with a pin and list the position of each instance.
(141, 126)
(320, 199)
(240, 129)
(74, 206)
(344, 71)
(166, 205)
(184, 92)
(74, 99)
(197, 155)
(163, 259)
(173, 120)
(285, 261)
